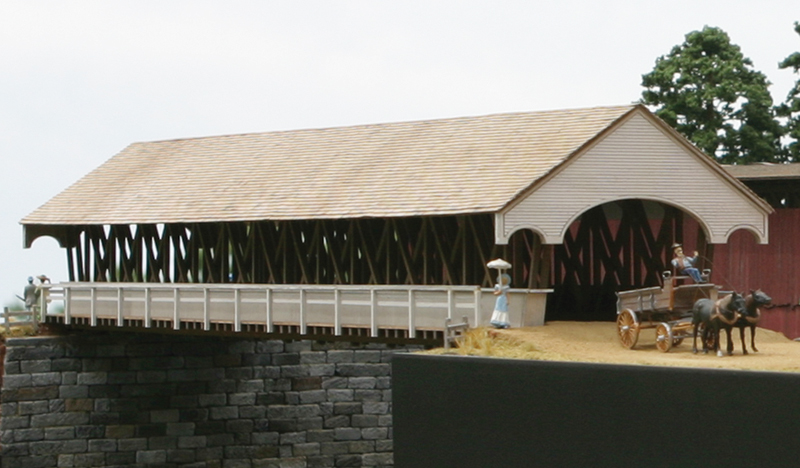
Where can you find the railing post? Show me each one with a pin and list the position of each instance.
(237, 321)
(206, 311)
(92, 308)
(120, 298)
(176, 314)
(477, 306)
(373, 310)
(337, 312)
(147, 306)
(412, 312)
(450, 303)
(67, 306)
(269, 311)
(302, 311)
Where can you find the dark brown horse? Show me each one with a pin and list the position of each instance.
(714, 315)
(750, 316)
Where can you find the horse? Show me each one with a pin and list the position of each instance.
(714, 315)
(750, 316)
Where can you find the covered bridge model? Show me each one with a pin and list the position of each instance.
(389, 208)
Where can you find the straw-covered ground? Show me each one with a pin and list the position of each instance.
(598, 342)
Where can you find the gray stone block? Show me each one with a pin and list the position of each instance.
(340, 394)
(224, 412)
(290, 438)
(130, 445)
(350, 460)
(34, 367)
(376, 407)
(378, 459)
(151, 457)
(165, 416)
(372, 433)
(363, 370)
(242, 399)
(332, 422)
(347, 433)
(252, 412)
(270, 346)
(55, 447)
(103, 445)
(59, 419)
(192, 442)
(17, 381)
(306, 449)
(368, 395)
(218, 399)
(15, 422)
(371, 356)
(362, 382)
(92, 378)
(59, 433)
(321, 370)
(364, 420)
(334, 448)
(33, 407)
(28, 435)
(73, 391)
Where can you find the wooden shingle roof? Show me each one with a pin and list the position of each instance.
(423, 168)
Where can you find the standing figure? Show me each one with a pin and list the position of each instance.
(684, 264)
(31, 295)
(500, 314)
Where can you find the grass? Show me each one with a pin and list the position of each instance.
(485, 341)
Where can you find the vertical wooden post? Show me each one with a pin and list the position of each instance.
(147, 308)
(337, 312)
(67, 306)
(478, 306)
(120, 317)
(269, 311)
(449, 303)
(237, 319)
(206, 309)
(302, 311)
(92, 307)
(412, 312)
(373, 310)
(176, 315)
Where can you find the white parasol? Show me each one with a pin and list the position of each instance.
(501, 265)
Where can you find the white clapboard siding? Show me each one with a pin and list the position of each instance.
(638, 159)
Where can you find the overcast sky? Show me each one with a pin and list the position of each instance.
(81, 80)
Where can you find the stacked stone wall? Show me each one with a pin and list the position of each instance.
(124, 400)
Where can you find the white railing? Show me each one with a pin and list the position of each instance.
(336, 307)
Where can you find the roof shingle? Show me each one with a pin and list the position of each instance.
(435, 167)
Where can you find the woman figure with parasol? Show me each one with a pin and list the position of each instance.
(500, 314)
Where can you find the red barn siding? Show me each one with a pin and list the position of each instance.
(742, 264)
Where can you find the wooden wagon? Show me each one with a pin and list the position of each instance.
(666, 309)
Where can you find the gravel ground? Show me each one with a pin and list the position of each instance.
(598, 342)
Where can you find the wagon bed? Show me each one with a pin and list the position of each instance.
(667, 309)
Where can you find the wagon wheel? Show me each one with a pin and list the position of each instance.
(664, 337)
(627, 328)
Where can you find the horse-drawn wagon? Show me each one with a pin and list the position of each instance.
(667, 309)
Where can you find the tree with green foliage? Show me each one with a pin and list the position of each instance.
(707, 90)
(790, 109)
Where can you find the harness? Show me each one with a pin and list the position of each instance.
(721, 317)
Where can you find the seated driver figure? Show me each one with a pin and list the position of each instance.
(684, 264)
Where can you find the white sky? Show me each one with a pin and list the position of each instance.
(80, 80)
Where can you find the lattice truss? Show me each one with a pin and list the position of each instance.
(626, 244)
(447, 250)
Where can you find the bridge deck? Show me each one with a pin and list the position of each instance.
(339, 310)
